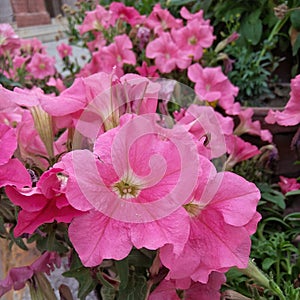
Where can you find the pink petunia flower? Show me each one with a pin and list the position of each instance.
(238, 150)
(12, 172)
(246, 125)
(9, 40)
(97, 20)
(118, 53)
(161, 20)
(168, 289)
(42, 204)
(32, 46)
(291, 114)
(208, 127)
(212, 85)
(288, 184)
(198, 16)
(126, 13)
(219, 230)
(193, 38)
(137, 171)
(64, 50)
(41, 66)
(18, 276)
(147, 71)
(167, 54)
(56, 82)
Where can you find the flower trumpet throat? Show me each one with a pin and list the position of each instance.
(44, 126)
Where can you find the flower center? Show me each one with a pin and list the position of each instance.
(193, 40)
(193, 209)
(126, 190)
(42, 66)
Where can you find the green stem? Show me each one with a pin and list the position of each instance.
(274, 31)
(252, 271)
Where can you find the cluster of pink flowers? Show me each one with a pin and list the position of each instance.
(130, 179)
(99, 158)
(171, 44)
(23, 60)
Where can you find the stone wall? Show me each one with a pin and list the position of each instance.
(6, 12)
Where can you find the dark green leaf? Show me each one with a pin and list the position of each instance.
(108, 293)
(179, 2)
(123, 271)
(86, 282)
(19, 241)
(292, 193)
(136, 288)
(295, 19)
(292, 217)
(251, 28)
(267, 263)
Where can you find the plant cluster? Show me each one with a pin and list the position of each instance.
(134, 167)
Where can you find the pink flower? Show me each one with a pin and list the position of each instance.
(147, 71)
(288, 184)
(56, 82)
(97, 20)
(209, 128)
(191, 17)
(64, 50)
(167, 54)
(17, 277)
(32, 148)
(32, 46)
(9, 40)
(238, 150)
(168, 289)
(291, 114)
(246, 125)
(8, 142)
(42, 204)
(137, 172)
(41, 66)
(12, 172)
(143, 35)
(19, 61)
(212, 85)
(161, 20)
(193, 38)
(219, 229)
(118, 53)
(126, 13)
(97, 43)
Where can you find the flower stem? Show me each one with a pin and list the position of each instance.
(252, 271)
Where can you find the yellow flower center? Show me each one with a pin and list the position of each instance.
(193, 208)
(193, 40)
(126, 190)
(42, 66)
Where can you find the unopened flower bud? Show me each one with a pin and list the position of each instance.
(280, 11)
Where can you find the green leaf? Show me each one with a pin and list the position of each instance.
(86, 283)
(107, 293)
(136, 288)
(296, 45)
(142, 259)
(292, 217)
(295, 19)
(251, 28)
(19, 241)
(123, 271)
(84, 277)
(292, 193)
(274, 197)
(267, 263)
(179, 2)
